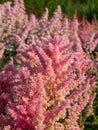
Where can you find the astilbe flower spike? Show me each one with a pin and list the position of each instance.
(53, 79)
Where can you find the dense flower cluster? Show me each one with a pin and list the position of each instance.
(55, 77)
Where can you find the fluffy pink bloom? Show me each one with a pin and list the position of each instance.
(53, 80)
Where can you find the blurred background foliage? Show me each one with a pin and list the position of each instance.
(84, 8)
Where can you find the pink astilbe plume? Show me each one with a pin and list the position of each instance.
(1, 51)
(49, 83)
(54, 79)
(12, 18)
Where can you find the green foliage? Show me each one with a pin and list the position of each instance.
(89, 8)
(91, 123)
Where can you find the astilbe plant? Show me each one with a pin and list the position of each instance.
(53, 82)
(12, 18)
